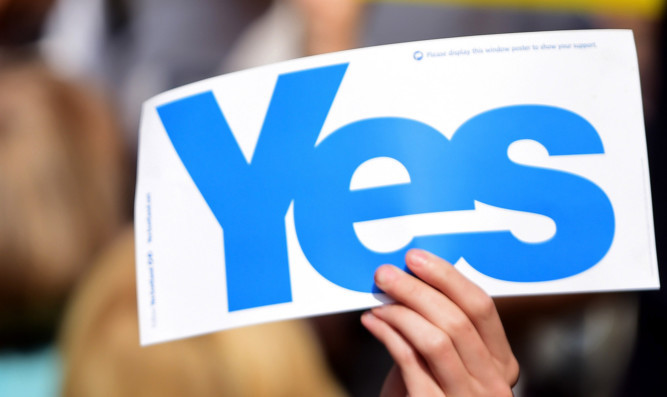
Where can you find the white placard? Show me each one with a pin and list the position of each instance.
(275, 192)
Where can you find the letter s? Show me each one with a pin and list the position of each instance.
(581, 210)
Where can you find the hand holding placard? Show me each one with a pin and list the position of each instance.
(444, 333)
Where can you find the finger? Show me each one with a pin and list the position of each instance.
(393, 385)
(443, 313)
(431, 343)
(416, 375)
(473, 301)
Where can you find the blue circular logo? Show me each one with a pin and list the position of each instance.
(418, 55)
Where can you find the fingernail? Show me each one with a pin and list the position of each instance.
(378, 310)
(384, 275)
(418, 257)
(367, 316)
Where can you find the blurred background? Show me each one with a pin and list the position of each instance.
(73, 76)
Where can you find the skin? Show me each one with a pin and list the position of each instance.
(444, 333)
(331, 25)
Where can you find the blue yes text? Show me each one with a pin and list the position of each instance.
(250, 200)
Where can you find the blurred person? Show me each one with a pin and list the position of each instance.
(137, 49)
(330, 25)
(102, 355)
(400, 21)
(21, 21)
(649, 361)
(295, 28)
(61, 199)
(443, 332)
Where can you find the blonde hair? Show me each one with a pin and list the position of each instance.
(102, 355)
(61, 184)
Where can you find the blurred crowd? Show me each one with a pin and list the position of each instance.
(73, 76)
